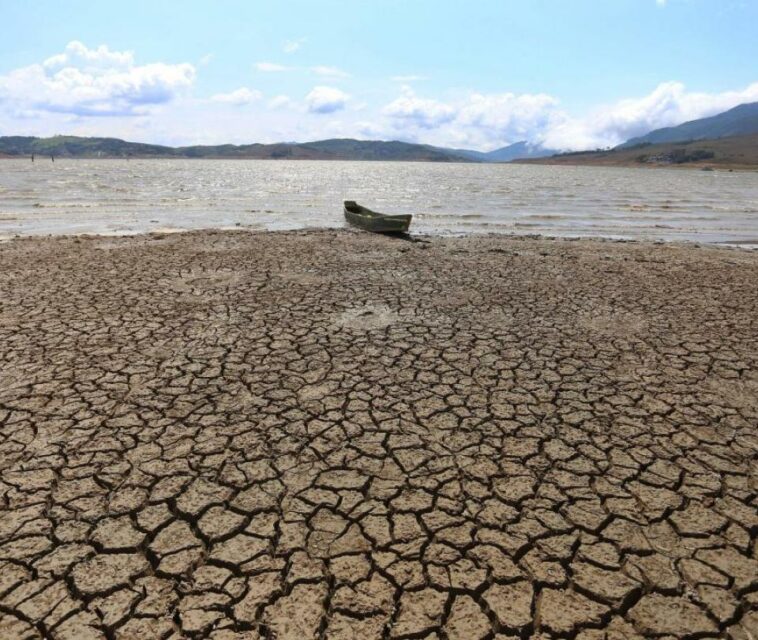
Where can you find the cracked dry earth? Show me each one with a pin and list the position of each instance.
(324, 434)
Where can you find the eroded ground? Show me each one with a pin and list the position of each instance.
(336, 435)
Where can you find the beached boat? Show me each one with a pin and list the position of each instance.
(369, 220)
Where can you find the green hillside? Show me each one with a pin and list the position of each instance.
(738, 152)
(740, 121)
(336, 149)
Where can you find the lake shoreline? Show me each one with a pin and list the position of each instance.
(631, 164)
(547, 161)
(116, 196)
(720, 154)
(750, 244)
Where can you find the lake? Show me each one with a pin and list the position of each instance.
(125, 197)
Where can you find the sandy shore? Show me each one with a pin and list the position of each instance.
(336, 435)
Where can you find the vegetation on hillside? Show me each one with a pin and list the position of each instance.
(739, 121)
(739, 152)
(338, 149)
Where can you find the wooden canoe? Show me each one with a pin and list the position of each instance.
(369, 220)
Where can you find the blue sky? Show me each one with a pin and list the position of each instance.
(475, 73)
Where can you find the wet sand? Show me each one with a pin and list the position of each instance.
(329, 434)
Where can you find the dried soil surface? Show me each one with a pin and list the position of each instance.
(334, 435)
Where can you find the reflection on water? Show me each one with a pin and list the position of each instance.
(116, 196)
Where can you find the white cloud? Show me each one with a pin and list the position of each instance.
(326, 100)
(94, 82)
(660, 3)
(331, 72)
(507, 116)
(669, 104)
(239, 97)
(280, 102)
(492, 120)
(482, 121)
(291, 46)
(206, 59)
(59, 93)
(419, 112)
(78, 55)
(271, 67)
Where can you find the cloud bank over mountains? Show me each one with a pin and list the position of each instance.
(667, 105)
(480, 119)
(99, 91)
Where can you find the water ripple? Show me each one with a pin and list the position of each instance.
(106, 196)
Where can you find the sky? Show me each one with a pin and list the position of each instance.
(478, 74)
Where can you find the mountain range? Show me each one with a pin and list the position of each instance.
(334, 149)
(736, 122)
(345, 149)
(514, 151)
(728, 140)
(739, 121)
(734, 152)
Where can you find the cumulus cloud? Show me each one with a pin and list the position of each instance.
(507, 116)
(239, 97)
(94, 82)
(669, 104)
(331, 72)
(82, 81)
(477, 120)
(280, 102)
(493, 120)
(326, 100)
(419, 112)
(78, 55)
(271, 67)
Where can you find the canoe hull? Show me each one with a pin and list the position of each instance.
(368, 220)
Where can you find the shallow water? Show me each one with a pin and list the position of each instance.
(124, 197)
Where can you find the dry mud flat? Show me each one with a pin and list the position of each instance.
(333, 435)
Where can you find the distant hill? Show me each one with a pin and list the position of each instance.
(334, 149)
(514, 151)
(337, 149)
(519, 150)
(74, 146)
(349, 149)
(739, 121)
(738, 152)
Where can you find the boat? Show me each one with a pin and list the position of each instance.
(370, 220)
